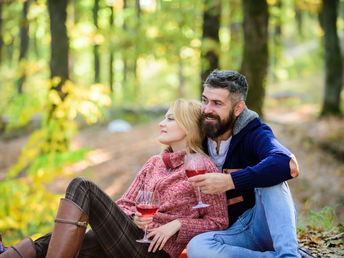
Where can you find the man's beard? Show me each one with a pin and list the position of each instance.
(214, 130)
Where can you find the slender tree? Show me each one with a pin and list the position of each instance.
(59, 44)
(111, 59)
(58, 68)
(1, 39)
(96, 45)
(299, 17)
(125, 61)
(255, 56)
(277, 47)
(24, 44)
(236, 37)
(210, 38)
(333, 61)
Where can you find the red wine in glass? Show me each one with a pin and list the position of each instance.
(194, 165)
(147, 203)
(191, 173)
(147, 210)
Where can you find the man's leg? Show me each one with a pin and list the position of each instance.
(236, 241)
(281, 216)
(266, 230)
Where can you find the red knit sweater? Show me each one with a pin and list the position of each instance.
(177, 196)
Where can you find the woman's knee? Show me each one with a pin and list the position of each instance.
(77, 184)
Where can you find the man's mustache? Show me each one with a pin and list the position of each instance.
(210, 116)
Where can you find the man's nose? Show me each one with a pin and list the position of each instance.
(206, 109)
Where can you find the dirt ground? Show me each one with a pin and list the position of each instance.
(117, 157)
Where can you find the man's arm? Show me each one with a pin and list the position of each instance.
(214, 183)
(274, 163)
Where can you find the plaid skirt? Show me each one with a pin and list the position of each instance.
(113, 230)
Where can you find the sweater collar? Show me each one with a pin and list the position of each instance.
(243, 120)
(173, 159)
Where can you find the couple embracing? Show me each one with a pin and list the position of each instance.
(251, 212)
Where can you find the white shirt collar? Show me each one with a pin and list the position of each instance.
(218, 158)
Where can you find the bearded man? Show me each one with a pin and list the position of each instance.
(255, 168)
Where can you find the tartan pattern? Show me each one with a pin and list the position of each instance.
(115, 231)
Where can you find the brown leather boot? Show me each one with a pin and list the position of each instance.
(24, 249)
(69, 231)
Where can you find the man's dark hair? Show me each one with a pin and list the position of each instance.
(233, 81)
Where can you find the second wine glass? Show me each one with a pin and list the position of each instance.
(194, 165)
(147, 203)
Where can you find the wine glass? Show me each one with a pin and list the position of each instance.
(194, 165)
(147, 203)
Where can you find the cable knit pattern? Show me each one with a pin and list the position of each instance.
(177, 196)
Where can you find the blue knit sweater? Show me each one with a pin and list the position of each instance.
(262, 159)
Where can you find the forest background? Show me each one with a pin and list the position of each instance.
(67, 68)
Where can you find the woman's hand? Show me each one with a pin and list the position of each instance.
(162, 234)
(141, 221)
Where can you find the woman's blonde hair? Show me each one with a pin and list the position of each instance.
(187, 114)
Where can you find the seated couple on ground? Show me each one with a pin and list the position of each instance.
(251, 212)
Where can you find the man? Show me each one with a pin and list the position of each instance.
(254, 168)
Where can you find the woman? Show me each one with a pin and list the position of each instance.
(117, 226)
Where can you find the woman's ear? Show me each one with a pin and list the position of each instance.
(239, 108)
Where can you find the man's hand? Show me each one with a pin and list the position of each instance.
(162, 234)
(141, 221)
(213, 183)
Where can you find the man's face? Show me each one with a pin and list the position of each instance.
(217, 112)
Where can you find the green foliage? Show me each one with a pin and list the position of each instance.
(26, 206)
(323, 220)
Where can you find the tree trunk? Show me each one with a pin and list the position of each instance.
(1, 40)
(125, 62)
(96, 46)
(59, 43)
(277, 40)
(111, 52)
(59, 70)
(298, 18)
(210, 38)
(136, 89)
(236, 38)
(333, 61)
(255, 56)
(24, 43)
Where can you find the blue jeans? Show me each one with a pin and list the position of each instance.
(266, 230)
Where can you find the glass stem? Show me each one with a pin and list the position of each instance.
(199, 195)
(145, 236)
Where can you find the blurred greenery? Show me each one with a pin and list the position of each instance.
(156, 49)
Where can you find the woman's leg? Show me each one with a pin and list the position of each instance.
(90, 246)
(114, 230)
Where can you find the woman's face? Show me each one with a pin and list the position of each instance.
(171, 134)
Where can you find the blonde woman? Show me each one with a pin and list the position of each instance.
(117, 225)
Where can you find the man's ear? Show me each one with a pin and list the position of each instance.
(239, 108)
